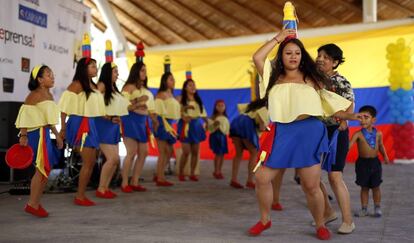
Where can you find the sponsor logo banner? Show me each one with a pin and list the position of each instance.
(32, 16)
(16, 38)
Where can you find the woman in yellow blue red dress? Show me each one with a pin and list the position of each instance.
(293, 89)
(109, 126)
(191, 127)
(136, 126)
(82, 103)
(244, 132)
(37, 117)
(168, 110)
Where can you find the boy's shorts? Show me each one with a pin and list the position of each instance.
(368, 172)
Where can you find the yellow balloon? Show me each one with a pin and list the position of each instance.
(394, 86)
(407, 79)
(400, 41)
(388, 56)
(408, 65)
(407, 86)
(391, 79)
(390, 48)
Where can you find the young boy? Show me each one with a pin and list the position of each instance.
(368, 167)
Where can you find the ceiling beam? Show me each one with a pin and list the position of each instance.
(397, 7)
(349, 5)
(245, 15)
(308, 8)
(196, 21)
(323, 14)
(98, 24)
(98, 21)
(120, 43)
(230, 18)
(409, 6)
(222, 21)
(137, 28)
(271, 12)
(172, 22)
(150, 22)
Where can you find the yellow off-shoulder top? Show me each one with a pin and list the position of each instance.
(141, 92)
(77, 104)
(195, 113)
(169, 108)
(287, 101)
(118, 106)
(224, 126)
(39, 115)
(259, 115)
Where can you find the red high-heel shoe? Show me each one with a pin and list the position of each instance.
(220, 176)
(250, 185)
(138, 188)
(277, 207)
(126, 189)
(181, 178)
(193, 178)
(164, 183)
(39, 212)
(216, 175)
(85, 202)
(323, 233)
(258, 228)
(155, 178)
(106, 194)
(236, 185)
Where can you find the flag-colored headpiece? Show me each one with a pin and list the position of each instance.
(188, 73)
(109, 55)
(290, 20)
(86, 46)
(167, 64)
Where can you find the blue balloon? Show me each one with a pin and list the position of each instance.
(407, 99)
(399, 92)
(408, 114)
(401, 120)
(395, 113)
(395, 99)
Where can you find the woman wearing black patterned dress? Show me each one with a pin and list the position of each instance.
(329, 58)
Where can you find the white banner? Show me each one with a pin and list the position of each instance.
(34, 32)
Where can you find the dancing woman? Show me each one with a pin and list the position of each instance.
(293, 89)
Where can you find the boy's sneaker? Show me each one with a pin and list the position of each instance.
(377, 212)
(361, 213)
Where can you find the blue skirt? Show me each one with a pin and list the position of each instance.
(72, 128)
(298, 144)
(134, 126)
(196, 132)
(52, 151)
(162, 134)
(218, 143)
(244, 127)
(109, 132)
